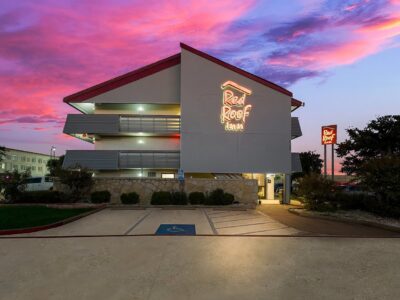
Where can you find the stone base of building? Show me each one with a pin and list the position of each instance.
(244, 190)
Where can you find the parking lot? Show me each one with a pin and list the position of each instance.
(146, 222)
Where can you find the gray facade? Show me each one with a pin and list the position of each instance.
(189, 111)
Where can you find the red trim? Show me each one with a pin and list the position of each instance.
(296, 102)
(237, 70)
(124, 79)
(49, 226)
(162, 65)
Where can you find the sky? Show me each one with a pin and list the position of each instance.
(342, 58)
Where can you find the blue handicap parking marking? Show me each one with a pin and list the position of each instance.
(176, 229)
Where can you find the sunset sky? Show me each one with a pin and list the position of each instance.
(342, 58)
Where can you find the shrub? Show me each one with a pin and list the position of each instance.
(228, 199)
(161, 198)
(100, 197)
(349, 201)
(196, 198)
(218, 197)
(129, 198)
(43, 197)
(179, 198)
(317, 193)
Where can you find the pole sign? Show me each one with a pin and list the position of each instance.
(329, 135)
(181, 175)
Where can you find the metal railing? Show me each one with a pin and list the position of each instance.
(153, 160)
(150, 124)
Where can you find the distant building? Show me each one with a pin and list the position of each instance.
(22, 160)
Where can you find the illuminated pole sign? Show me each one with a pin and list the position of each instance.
(329, 135)
(234, 110)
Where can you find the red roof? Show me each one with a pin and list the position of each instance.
(162, 65)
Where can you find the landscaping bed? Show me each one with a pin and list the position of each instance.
(28, 216)
(352, 216)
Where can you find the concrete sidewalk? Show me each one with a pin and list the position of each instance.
(313, 226)
(199, 267)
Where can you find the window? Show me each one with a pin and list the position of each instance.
(39, 160)
(28, 159)
(14, 157)
(48, 179)
(22, 167)
(33, 168)
(3, 165)
(40, 168)
(151, 174)
(23, 158)
(168, 175)
(33, 159)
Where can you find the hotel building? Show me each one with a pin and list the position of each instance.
(190, 113)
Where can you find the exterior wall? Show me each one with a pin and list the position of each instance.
(245, 191)
(263, 146)
(138, 143)
(161, 87)
(136, 173)
(22, 160)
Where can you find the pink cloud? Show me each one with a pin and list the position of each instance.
(361, 41)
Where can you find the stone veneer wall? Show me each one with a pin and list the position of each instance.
(245, 190)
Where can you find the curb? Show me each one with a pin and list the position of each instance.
(343, 220)
(179, 207)
(52, 225)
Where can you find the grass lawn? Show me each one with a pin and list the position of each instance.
(13, 217)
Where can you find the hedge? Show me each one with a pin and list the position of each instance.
(47, 197)
(196, 198)
(100, 197)
(129, 198)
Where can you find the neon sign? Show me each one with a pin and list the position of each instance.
(234, 110)
(329, 135)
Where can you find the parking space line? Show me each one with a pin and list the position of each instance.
(228, 216)
(254, 218)
(137, 223)
(245, 225)
(214, 230)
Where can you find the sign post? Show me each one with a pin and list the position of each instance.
(329, 137)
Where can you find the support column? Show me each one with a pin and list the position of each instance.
(287, 188)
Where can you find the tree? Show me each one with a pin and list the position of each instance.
(55, 166)
(382, 176)
(310, 163)
(12, 184)
(372, 154)
(380, 138)
(78, 180)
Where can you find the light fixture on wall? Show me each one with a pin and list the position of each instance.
(140, 141)
(140, 108)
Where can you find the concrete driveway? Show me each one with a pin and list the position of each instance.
(199, 267)
(147, 221)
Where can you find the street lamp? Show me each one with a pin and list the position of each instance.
(53, 152)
